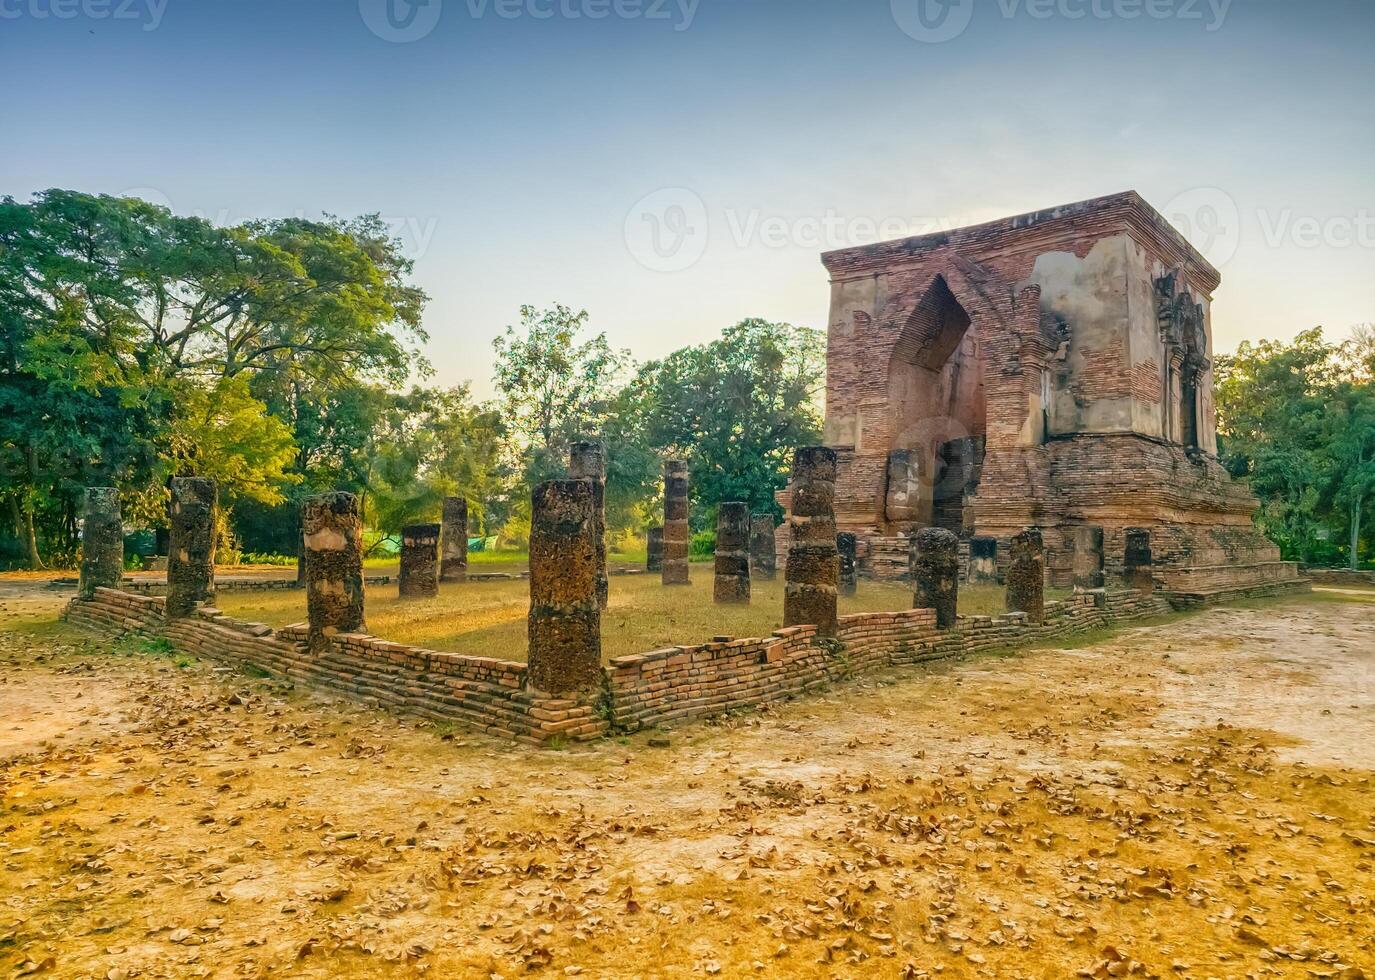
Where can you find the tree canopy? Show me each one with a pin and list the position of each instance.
(283, 358)
(1298, 420)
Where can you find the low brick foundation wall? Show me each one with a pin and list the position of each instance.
(1339, 576)
(713, 678)
(674, 684)
(481, 693)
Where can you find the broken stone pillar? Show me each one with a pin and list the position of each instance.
(732, 583)
(1088, 558)
(333, 535)
(565, 655)
(675, 569)
(1026, 575)
(813, 566)
(419, 578)
(587, 461)
(763, 547)
(191, 557)
(654, 549)
(1136, 560)
(102, 541)
(453, 537)
(983, 559)
(846, 547)
(935, 559)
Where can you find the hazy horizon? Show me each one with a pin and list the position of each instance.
(675, 167)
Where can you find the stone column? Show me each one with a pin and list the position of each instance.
(763, 548)
(1088, 558)
(333, 536)
(675, 570)
(565, 655)
(813, 566)
(983, 559)
(1026, 575)
(1137, 560)
(732, 583)
(587, 461)
(453, 538)
(191, 552)
(846, 547)
(419, 578)
(654, 549)
(935, 559)
(102, 541)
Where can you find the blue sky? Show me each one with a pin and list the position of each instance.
(677, 165)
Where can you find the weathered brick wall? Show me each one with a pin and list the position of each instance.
(670, 685)
(680, 683)
(1339, 576)
(482, 693)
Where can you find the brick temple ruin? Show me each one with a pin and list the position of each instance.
(1051, 370)
(1027, 401)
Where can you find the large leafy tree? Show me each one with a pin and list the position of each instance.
(118, 316)
(1298, 420)
(432, 443)
(553, 386)
(736, 408)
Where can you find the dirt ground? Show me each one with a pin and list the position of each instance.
(1187, 799)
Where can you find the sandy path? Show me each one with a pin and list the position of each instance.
(1192, 800)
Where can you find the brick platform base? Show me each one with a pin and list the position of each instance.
(670, 685)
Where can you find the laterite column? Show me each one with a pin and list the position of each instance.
(763, 548)
(565, 654)
(419, 578)
(1026, 575)
(1088, 558)
(732, 583)
(675, 570)
(654, 549)
(587, 461)
(453, 539)
(1137, 560)
(813, 566)
(333, 534)
(846, 547)
(191, 551)
(935, 559)
(102, 541)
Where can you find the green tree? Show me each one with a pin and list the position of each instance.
(736, 408)
(119, 317)
(553, 387)
(433, 443)
(1298, 420)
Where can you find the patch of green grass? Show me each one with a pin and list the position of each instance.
(488, 619)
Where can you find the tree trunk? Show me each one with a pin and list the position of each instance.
(23, 527)
(1355, 531)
